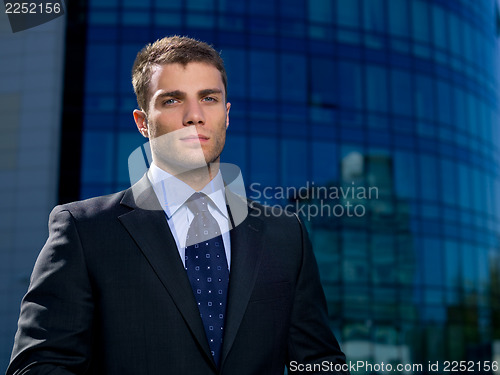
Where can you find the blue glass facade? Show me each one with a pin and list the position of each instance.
(393, 94)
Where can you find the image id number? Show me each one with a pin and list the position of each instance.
(32, 8)
(470, 366)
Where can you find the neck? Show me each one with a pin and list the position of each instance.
(196, 178)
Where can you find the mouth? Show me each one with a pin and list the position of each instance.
(200, 138)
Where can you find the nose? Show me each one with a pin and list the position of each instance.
(193, 114)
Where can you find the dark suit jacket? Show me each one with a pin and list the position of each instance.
(109, 295)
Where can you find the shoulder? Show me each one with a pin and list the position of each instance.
(277, 218)
(92, 208)
(105, 206)
(276, 212)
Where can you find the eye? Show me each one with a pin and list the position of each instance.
(209, 99)
(169, 101)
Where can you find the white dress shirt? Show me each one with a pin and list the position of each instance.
(173, 193)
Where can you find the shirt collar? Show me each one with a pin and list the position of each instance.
(173, 193)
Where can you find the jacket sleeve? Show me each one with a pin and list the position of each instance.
(54, 328)
(311, 341)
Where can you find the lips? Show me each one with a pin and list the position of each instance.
(198, 138)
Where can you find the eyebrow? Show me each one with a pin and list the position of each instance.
(209, 91)
(171, 94)
(181, 94)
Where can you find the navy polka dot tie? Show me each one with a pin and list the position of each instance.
(207, 270)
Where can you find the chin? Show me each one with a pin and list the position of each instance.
(190, 165)
(178, 165)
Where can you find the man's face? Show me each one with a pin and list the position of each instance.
(187, 116)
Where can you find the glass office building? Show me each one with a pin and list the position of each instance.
(31, 63)
(397, 95)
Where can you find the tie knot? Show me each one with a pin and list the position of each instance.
(197, 202)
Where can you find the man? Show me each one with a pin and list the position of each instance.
(172, 276)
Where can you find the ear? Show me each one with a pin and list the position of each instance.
(228, 107)
(141, 121)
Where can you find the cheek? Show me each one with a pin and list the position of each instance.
(221, 135)
(151, 130)
(161, 125)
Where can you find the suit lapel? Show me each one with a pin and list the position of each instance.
(246, 249)
(147, 225)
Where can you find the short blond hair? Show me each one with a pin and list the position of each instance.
(171, 50)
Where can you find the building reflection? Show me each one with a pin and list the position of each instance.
(372, 267)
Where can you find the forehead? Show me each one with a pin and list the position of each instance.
(193, 76)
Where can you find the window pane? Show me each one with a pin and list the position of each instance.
(420, 21)
(424, 97)
(439, 26)
(127, 143)
(293, 8)
(201, 5)
(262, 75)
(127, 52)
(103, 3)
(263, 163)
(293, 162)
(383, 260)
(452, 274)
(103, 18)
(376, 88)
(348, 13)
(404, 174)
(350, 83)
(398, 18)
(101, 68)
(136, 18)
(484, 277)
(320, 11)
(136, 3)
(170, 4)
(325, 163)
(444, 103)
(323, 81)
(97, 157)
(464, 185)
(200, 20)
(235, 62)
(469, 261)
(267, 8)
(373, 13)
(235, 150)
(449, 181)
(460, 106)
(401, 92)
(455, 34)
(433, 262)
(472, 110)
(429, 184)
(293, 77)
